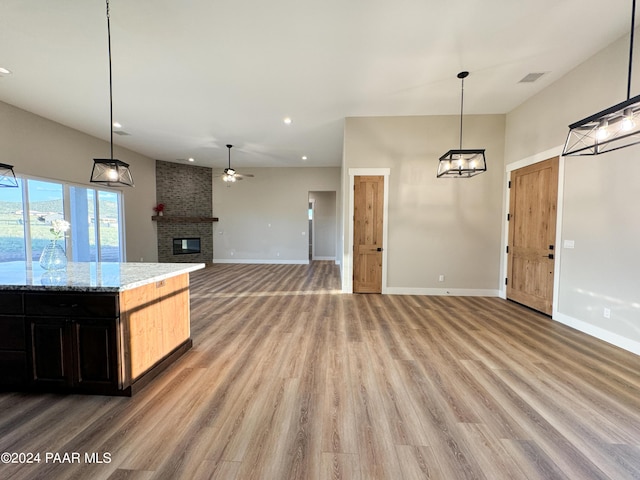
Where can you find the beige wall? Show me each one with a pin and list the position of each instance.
(599, 199)
(265, 218)
(435, 226)
(42, 148)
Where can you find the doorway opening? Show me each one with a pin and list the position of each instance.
(323, 225)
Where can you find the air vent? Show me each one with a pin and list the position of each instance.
(122, 133)
(531, 77)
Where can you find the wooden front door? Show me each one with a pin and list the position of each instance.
(532, 235)
(367, 234)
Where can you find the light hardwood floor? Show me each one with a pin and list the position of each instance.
(289, 379)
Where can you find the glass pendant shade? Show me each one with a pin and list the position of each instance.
(111, 172)
(462, 163)
(614, 128)
(7, 177)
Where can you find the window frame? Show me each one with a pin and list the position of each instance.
(66, 203)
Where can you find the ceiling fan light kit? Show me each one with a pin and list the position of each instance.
(462, 163)
(611, 129)
(109, 171)
(230, 175)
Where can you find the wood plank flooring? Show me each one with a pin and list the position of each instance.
(290, 379)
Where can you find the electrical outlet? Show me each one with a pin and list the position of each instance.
(606, 313)
(441, 278)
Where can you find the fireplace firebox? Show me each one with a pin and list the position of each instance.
(186, 245)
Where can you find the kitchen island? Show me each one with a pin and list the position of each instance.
(98, 328)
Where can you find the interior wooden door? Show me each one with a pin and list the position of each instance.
(532, 234)
(367, 234)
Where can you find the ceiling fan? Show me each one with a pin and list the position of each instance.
(230, 174)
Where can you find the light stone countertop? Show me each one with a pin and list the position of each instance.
(89, 276)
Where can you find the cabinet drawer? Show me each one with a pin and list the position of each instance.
(13, 368)
(12, 333)
(10, 303)
(71, 304)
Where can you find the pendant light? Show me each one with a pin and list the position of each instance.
(462, 163)
(611, 129)
(109, 171)
(7, 177)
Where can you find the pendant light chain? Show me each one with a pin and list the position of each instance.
(461, 110)
(633, 17)
(110, 81)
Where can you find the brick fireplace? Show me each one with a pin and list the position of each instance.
(187, 193)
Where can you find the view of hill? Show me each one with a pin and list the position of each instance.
(107, 209)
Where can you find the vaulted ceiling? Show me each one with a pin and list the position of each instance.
(192, 76)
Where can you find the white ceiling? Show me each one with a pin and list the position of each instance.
(191, 76)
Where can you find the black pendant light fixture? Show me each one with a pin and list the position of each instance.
(462, 163)
(611, 129)
(109, 171)
(7, 177)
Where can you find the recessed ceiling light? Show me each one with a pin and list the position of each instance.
(287, 120)
(5, 71)
(117, 125)
(191, 159)
(304, 157)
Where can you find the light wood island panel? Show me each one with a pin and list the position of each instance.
(155, 320)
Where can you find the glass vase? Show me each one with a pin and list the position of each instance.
(53, 257)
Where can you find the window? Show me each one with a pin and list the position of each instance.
(26, 214)
(12, 245)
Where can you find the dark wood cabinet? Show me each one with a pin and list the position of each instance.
(96, 354)
(71, 351)
(50, 351)
(76, 353)
(13, 354)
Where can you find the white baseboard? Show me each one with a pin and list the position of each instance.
(261, 261)
(324, 258)
(599, 333)
(451, 292)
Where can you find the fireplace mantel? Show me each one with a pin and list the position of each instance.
(168, 219)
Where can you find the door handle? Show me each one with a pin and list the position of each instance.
(379, 249)
(550, 256)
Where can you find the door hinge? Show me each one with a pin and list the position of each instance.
(507, 248)
(506, 281)
(508, 217)
(509, 184)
